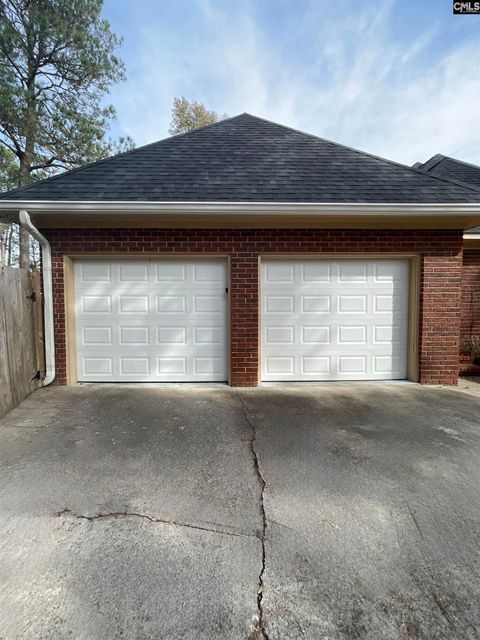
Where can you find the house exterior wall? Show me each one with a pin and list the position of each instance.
(440, 280)
(470, 317)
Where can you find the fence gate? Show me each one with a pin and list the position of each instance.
(21, 336)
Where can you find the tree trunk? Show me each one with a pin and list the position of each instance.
(9, 245)
(24, 179)
(26, 159)
(24, 236)
(24, 249)
(3, 248)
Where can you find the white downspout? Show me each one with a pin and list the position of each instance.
(47, 296)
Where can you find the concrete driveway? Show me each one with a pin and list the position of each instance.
(331, 511)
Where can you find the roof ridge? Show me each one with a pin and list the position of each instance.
(119, 155)
(468, 164)
(363, 153)
(465, 185)
(437, 159)
(431, 162)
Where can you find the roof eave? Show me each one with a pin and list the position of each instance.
(462, 216)
(72, 207)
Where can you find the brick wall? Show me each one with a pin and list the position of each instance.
(440, 290)
(470, 318)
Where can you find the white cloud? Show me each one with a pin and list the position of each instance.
(341, 76)
(440, 113)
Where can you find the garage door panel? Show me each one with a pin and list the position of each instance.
(389, 271)
(327, 320)
(134, 365)
(352, 334)
(387, 363)
(97, 365)
(352, 272)
(315, 334)
(207, 365)
(95, 272)
(209, 335)
(387, 334)
(283, 365)
(151, 320)
(133, 304)
(312, 272)
(210, 304)
(352, 304)
(96, 336)
(171, 365)
(208, 274)
(279, 272)
(352, 365)
(94, 304)
(169, 271)
(316, 365)
(384, 303)
(133, 336)
(279, 304)
(171, 335)
(171, 304)
(280, 334)
(133, 272)
(315, 304)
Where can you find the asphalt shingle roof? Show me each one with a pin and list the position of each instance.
(446, 167)
(246, 159)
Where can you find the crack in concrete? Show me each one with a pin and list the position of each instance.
(439, 604)
(443, 609)
(415, 520)
(155, 520)
(259, 631)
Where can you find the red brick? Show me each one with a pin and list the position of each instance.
(440, 282)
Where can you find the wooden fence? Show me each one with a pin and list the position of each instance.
(21, 336)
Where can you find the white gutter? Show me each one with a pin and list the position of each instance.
(47, 296)
(471, 236)
(71, 207)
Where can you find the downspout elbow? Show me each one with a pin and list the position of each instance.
(47, 296)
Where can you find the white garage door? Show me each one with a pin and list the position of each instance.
(151, 320)
(334, 320)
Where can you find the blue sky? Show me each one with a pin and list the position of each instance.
(397, 78)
